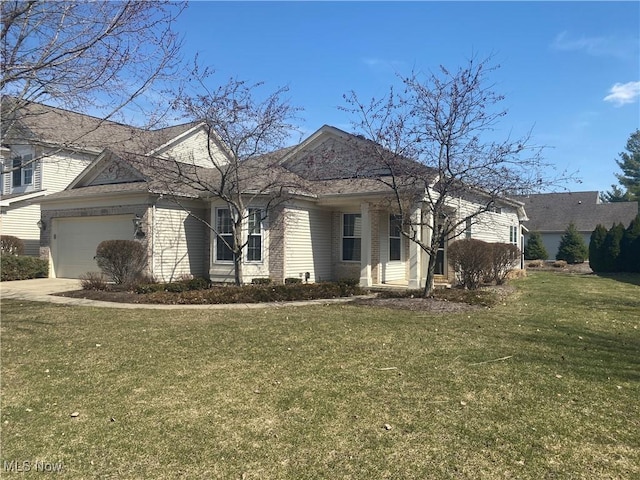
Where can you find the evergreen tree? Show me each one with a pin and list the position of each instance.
(572, 247)
(596, 253)
(616, 194)
(611, 249)
(534, 249)
(630, 247)
(629, 163)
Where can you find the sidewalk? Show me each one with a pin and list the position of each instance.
(42, 290)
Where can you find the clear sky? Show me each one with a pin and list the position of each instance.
(569, 70)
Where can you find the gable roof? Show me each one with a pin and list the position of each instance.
(44, 124)
(333, 154)
(552, 212)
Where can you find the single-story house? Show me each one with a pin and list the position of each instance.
(551, 213)
(334, 224)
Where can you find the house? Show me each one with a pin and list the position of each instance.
(45, 148)
(333, 225)
(551, 213)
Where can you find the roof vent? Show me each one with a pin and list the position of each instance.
(579, 202)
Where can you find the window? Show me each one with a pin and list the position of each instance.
(22, 171)
(467, 228)
(351, 235)
(395, 237)
(513, 234)
(224, 229)
(254, 243)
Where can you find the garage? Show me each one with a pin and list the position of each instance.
(74, 241)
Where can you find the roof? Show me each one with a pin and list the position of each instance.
(39, 123)
(552, 212)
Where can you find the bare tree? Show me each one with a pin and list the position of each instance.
(95, 57)
(246, 138)
(437, 142)
(83, 54)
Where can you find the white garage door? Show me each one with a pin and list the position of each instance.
(75, 240)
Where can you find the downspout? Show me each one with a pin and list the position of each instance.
(153, 238)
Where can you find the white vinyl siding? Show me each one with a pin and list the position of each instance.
(488, 226)
(60, 169)
(179, 243)
(21, 222)
(308, 244)
(193, 149)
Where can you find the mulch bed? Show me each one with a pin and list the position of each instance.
(415, 304)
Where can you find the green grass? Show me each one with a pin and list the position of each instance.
(544, 387)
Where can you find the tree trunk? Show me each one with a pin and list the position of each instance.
(237, 252)
(237, 267)
(429, 280)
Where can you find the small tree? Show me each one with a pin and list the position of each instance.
(611, 249)
(534, 249)
(123, 261)
(630, 247)
(247, 131)
(596, 244)
(572, 248)
(445, 124)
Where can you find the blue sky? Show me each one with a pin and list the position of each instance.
(570, 71)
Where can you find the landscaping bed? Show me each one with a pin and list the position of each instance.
(442, 300)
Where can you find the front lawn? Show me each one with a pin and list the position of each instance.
(544, 386)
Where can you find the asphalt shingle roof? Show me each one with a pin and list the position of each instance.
(552, 212)
(36, 122)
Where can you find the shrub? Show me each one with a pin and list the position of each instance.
(10, 245)
(534, 249)
(123, 261)
(471, 258)
(15, 267)
(256, 293)
(572, 248)
(261, 281)
(291, 280)
(630, 247)
(502, 259)
(93, 281)
(596, 252)
(611, 249)
(559, 264)
(535, 264)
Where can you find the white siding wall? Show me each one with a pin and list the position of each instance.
(22, 222)
(179, 243)
(489, 226)
(60, 169)
(308, 244)
(53, 174)
(193, 149)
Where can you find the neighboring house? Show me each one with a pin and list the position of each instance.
(45, 148)
(551, 213)
(332, 226)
